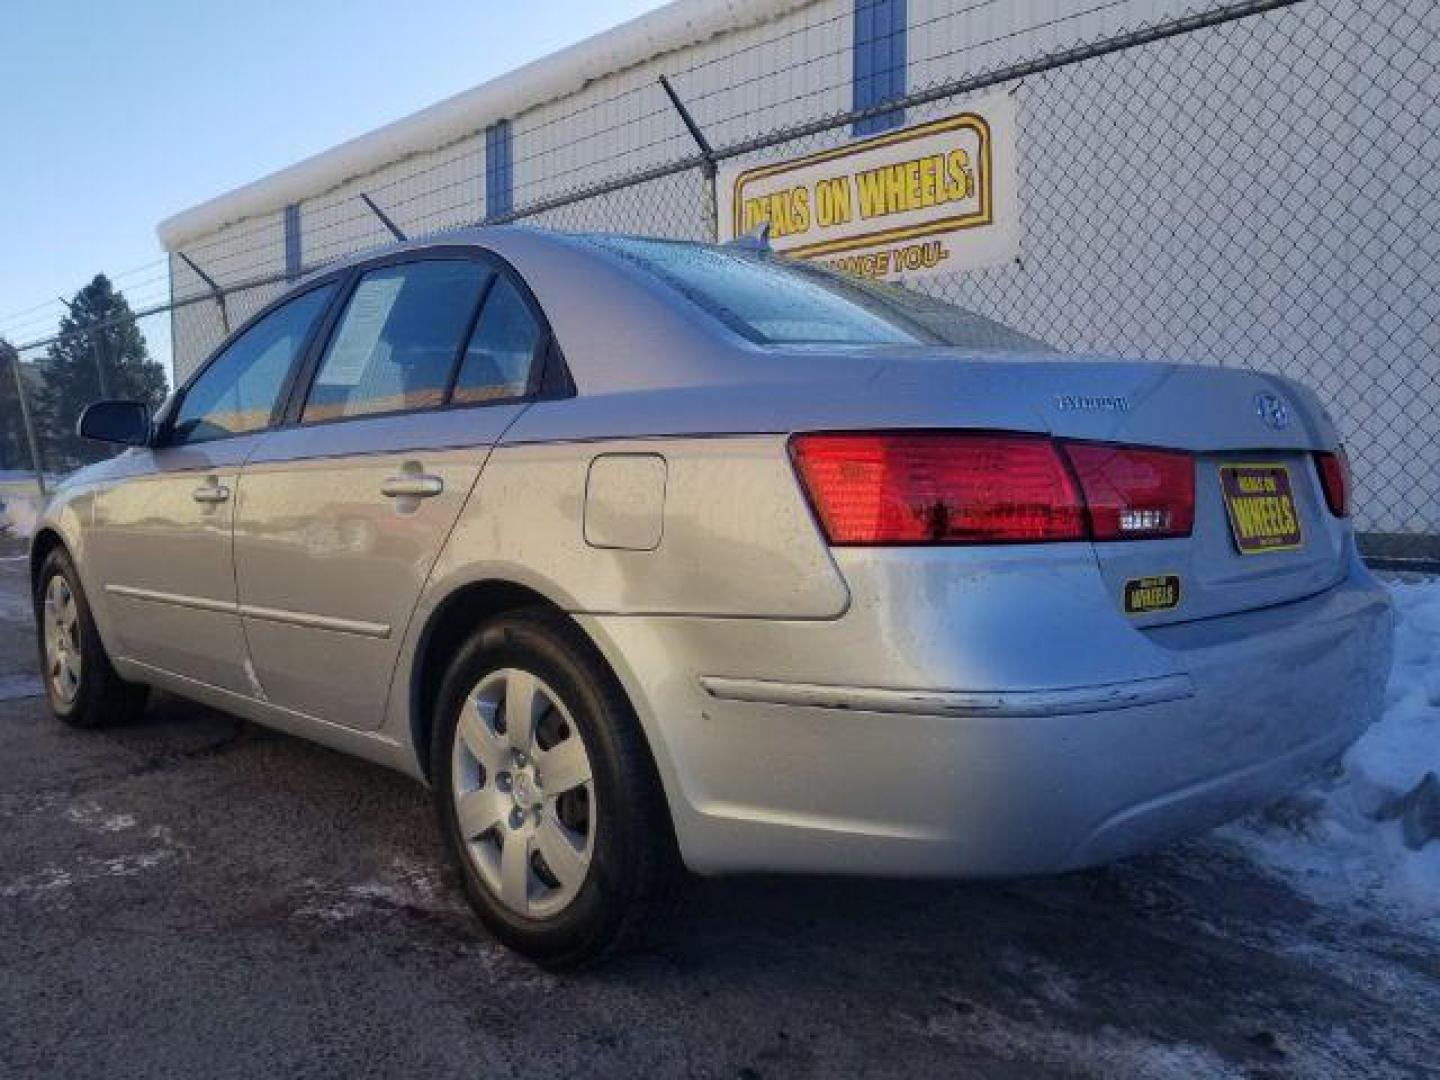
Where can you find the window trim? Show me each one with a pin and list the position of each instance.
(165, 436)
(544, 383)
(543, 353)
(458, 360)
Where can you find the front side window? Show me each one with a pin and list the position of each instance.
(777, 300)
(238, 391)
(396, 344)
(501, 352)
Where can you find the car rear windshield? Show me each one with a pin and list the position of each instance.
(776, 300)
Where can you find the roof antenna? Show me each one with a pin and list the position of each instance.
(757, 239)
(394, 229)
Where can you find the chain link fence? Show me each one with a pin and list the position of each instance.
(1244, 184)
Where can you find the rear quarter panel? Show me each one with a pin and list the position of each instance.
(736, 539)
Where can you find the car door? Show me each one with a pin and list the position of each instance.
(344, 510)
(161, 537)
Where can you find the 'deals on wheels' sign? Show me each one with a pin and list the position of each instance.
(934, 198)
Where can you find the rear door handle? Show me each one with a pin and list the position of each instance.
(412, 486)
(211, 492)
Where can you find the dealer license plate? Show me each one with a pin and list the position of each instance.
(1261, 505)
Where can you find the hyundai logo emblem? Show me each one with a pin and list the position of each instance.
(1273, 411)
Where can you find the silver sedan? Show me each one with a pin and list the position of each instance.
(649, 555)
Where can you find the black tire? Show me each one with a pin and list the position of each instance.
(635, 867)
(102, 698)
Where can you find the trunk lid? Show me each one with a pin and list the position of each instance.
(1236, 422)
(1230, 419)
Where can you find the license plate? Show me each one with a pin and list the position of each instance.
(1261, 507)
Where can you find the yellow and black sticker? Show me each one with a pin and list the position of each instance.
(1261, 506)
(1160, 592)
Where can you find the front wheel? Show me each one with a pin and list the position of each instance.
(547, 795)
(80, 684)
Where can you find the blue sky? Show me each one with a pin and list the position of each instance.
(113, 116)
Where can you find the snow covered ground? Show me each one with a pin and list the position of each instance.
(18, 511)
(1330, 841)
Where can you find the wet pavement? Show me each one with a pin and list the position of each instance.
(195, 896)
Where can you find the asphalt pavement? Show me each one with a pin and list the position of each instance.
(193, 896)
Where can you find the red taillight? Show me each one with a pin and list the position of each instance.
(991, 488)
(1135, 493)
(1334, 472)
(939, 488)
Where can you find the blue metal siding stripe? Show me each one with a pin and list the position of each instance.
(491, 164)
(499, 177)
(897, 41)
(878, 57)
(507, 178)
(292, 241)
(863, 78)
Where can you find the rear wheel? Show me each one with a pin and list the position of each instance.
(80, 683)
(547, 795)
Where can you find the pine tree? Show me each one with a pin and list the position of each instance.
(99, 353)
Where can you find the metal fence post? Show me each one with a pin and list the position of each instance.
(29, 423)
(215, 290)
(707, 154)
(394, 229)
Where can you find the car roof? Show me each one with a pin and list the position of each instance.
(495, 238)
(619, 327)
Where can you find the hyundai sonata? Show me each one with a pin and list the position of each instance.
(649, 555)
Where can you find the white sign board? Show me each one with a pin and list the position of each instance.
(359, 338)
(935, 198)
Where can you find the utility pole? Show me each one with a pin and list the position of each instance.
(100, 350)
(93, 333)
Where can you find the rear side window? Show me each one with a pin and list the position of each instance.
(238, 391)
(396, 344)
(501, 352)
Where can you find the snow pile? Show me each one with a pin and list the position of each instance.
(1344, 840)
(18, 513)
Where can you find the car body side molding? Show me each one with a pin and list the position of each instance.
(252, 611)
(1016, 703)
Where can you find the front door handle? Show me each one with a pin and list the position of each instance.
(212, 491)
(408, 485)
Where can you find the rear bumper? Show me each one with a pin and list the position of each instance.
(1222, 716)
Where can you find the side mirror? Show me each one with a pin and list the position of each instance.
(126, 422)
